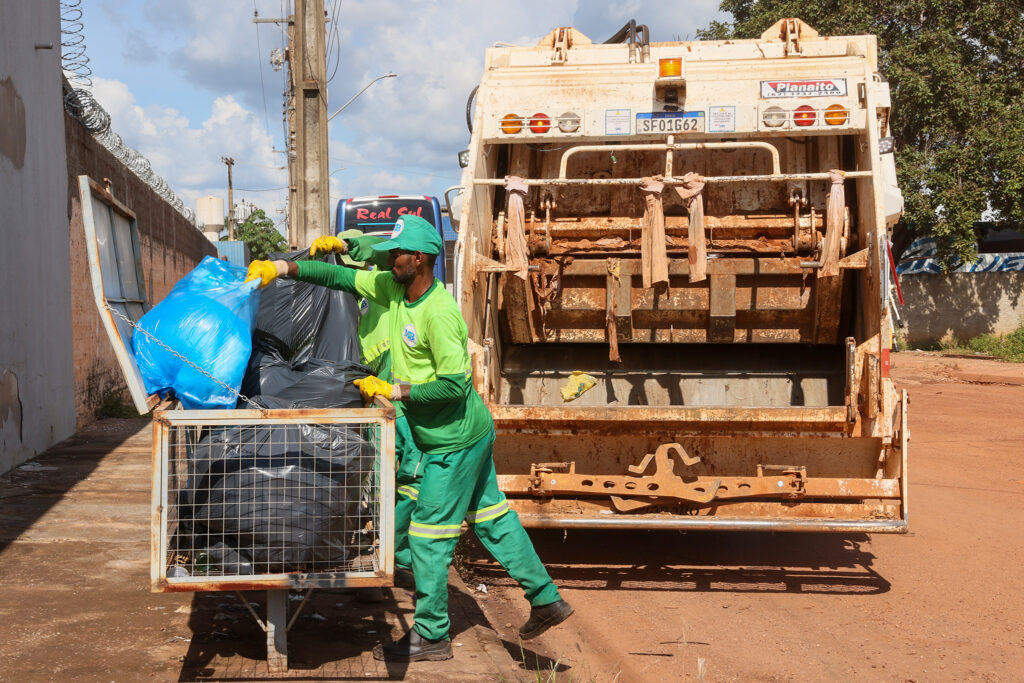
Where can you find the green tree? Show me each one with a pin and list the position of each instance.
(956, 73)
(260, 235)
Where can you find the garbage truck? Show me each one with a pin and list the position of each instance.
(672, 259)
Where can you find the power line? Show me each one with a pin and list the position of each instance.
(392, 168)
(259, 67)
(334, 39)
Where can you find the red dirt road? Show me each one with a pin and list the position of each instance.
(942, 603)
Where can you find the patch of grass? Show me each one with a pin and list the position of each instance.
(1008, 347)
(550, 674)
(113, 404)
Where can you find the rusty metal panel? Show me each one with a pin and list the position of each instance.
(722, 308)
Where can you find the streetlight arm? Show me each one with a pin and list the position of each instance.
(387, 75)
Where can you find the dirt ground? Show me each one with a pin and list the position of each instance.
(941, 603)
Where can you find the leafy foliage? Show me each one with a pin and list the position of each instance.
(260, 235)
(956, 73)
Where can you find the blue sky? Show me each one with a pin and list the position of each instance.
(182, 82)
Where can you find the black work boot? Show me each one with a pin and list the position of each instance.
(544, 617)
(412, 648)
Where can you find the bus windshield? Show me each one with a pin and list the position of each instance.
(378, 214)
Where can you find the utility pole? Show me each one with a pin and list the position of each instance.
(309, 194)
(231, 199)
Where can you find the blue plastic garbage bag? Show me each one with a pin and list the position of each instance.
(208, 318)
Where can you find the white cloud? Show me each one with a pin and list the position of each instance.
(400, 136)
(188, 156)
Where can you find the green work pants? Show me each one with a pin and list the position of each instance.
(463, 485)
(407, 487)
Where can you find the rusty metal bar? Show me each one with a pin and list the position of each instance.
(671, 181)
(274, 581)
(730, 488)
(870, 526)
(557, 419)
(285, 416)
(722, 266)
(671, 146)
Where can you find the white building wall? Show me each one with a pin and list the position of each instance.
(36, 375)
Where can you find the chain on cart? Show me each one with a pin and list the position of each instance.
(131, 323)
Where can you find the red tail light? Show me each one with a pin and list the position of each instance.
(805, 115)
(540, 123)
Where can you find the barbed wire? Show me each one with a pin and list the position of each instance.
(74, 61)
(80, 104)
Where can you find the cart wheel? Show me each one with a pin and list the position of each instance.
(277, 631)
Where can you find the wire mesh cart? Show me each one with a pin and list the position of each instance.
(260, 499)
(312, 507)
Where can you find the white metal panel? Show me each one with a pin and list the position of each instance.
(111, 245)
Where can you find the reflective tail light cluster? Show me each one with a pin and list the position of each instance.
(539, 123)
(805, 116)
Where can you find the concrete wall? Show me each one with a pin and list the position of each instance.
(36, 386)
(964, 305)
(170, 245)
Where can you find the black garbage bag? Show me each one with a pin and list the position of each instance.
(312, 383)
(304, 321)
(273, 498)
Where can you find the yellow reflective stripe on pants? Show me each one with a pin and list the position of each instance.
(435, 531)
(488, 513)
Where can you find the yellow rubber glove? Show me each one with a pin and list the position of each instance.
(326, 245)
(374, 386)
(264, 271)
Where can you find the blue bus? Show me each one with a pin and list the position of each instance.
(377, 216)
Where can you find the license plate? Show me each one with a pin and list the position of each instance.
(668, 122)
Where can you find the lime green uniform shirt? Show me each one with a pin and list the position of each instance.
(373, 328)
(373, 338)
(427, 340)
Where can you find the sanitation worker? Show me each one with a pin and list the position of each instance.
(375, 352)
(450, 425)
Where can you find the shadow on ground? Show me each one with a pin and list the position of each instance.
(735, 562)
(29, 491)
(332, 638)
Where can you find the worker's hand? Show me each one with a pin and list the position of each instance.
(374, 386)
(266, 271)
(325, 245)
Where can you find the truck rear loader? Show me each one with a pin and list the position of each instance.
(698, 232)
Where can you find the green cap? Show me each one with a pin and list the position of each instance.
(412, 233)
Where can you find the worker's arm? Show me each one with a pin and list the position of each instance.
(446, 335)
(361, 249)
(376, 286)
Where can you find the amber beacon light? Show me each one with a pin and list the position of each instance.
(670, 67)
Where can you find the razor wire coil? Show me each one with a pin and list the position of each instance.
(74, 61)
(81, 105)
